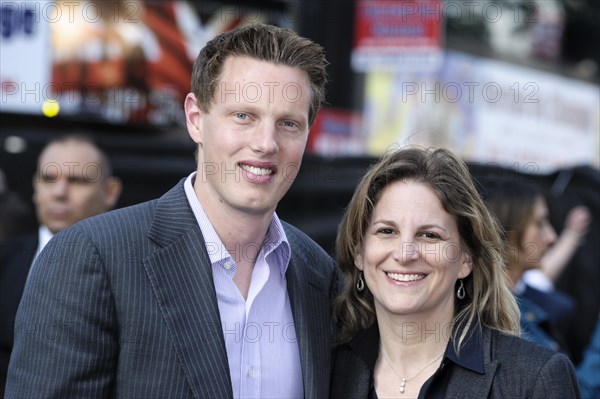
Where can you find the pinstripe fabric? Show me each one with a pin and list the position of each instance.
(123, 305)
(514, 368)
(311, 309)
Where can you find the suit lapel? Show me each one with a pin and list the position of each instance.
(465, 383)
(181, 277)
(310, 309)
(469, 384)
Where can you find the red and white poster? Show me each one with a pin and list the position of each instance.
(402, 35)
(336, 132)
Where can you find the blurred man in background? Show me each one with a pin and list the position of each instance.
(73, 181)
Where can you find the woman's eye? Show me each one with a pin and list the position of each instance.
(386, 230)
(430, 235)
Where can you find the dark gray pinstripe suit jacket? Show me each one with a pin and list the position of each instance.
(123, 305)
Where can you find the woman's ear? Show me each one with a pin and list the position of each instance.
(358, 261)
(466, 266)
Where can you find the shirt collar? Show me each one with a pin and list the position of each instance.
(275, 243)
(519, 287)
(366, 345)
(45, 235)
(471, 357)
(530, 312)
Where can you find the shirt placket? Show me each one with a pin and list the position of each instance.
(250, 361)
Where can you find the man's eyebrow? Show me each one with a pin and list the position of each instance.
(48, 175)
(79, 178)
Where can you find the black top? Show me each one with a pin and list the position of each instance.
(366, 346)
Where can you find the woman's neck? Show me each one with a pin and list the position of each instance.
(514, 272)
(413, 340)
(409, 353)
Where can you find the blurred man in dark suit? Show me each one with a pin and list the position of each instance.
(73, 181)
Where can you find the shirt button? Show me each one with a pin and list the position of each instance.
(250, 372)
(529, 316)
(228, 265)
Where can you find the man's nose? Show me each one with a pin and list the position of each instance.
(264, 140)
(60, 188)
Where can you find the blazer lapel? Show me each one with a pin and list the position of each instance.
(469, 384)
(310, 309)
(465, 383)
(181, 277)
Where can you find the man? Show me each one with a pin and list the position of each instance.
(204, 292)
(73, 181)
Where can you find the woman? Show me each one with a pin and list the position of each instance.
(523, 214)
(426, 311)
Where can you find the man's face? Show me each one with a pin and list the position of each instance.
(251, 141)
(70, 185)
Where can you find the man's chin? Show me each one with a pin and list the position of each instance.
(57, 227)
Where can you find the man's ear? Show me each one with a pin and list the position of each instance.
(114, 186)
(193, 117)
(34, 183)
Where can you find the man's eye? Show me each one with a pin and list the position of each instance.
(290, 124)
(79, 180)
(49, 179)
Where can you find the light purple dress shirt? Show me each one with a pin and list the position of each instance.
(260, 337)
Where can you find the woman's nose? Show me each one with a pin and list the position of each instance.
(406, 251)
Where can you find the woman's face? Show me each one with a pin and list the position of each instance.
(411, 254)
(537, 237)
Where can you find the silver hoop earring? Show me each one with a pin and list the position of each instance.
(360, 284)
(460, 293)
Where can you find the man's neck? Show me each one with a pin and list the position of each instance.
(242, 234)
(235, 227)
(243, 237)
